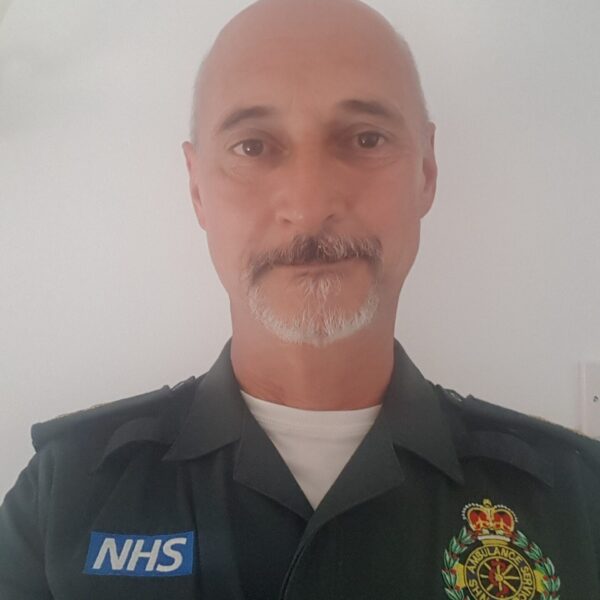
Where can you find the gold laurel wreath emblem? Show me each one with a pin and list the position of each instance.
(500, 565)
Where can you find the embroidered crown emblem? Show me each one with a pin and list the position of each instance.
(490, 559)
(486, 520)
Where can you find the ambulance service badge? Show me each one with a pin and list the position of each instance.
(490, 559)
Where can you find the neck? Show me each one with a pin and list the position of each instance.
(345, 375)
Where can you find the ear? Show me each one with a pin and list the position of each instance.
(191, 161)
(429, 170)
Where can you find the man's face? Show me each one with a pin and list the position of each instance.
(312, 169)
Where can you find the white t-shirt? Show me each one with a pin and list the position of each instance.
(315, 444)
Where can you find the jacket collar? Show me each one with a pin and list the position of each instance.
(415, 417)
(219, 417)
(411, 409)
(411, 417)
(216, 415)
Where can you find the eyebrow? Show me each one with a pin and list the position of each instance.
(241, 114)
(352, 105)
(370, 107)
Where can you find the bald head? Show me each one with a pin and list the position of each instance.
(305, 28)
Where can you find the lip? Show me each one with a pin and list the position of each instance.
(321, 266)
(314, 265)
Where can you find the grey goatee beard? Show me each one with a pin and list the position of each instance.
(315, 324)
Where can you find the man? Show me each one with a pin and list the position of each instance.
(313, 461)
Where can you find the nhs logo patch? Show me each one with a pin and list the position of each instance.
(167, 555)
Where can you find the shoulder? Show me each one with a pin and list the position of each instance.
(102, 420)
(478, 419)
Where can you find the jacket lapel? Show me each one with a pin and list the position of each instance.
(218, 417)
(411, 418)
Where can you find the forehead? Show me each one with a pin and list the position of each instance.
(297, 80)
(304, 68)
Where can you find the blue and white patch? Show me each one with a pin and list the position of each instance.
(168, 555)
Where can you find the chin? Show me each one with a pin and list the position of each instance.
(320, 317)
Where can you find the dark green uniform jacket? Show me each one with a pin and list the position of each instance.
(179, 494)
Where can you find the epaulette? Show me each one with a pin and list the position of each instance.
(147, 404)
(492, 415)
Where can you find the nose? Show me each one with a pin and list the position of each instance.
(310, 195)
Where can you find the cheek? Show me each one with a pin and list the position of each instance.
(223, 255)
(233, 222)
(389, 207)
(230, 179)
(227, 196)
(389, 200)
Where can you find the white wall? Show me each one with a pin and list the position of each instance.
(106, 284)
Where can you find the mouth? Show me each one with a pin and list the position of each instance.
(320, 264)
(322, 267)
(311, 268)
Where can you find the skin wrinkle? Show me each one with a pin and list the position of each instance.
(402, 48)
(201, 76)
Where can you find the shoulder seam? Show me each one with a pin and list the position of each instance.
(142, 404)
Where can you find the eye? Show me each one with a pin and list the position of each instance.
(370, 139)
(250, 147)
